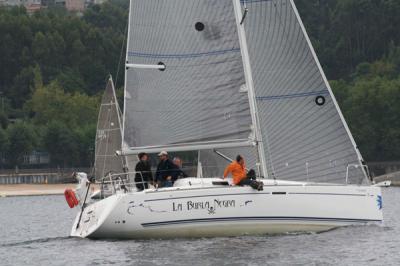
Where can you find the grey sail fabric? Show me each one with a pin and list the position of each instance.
(108, 135)
(197, 97)
(303, 134)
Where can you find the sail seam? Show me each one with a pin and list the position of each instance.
(192, 55)
(254, 1)
(293, 95)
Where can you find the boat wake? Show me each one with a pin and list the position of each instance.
(34, 241)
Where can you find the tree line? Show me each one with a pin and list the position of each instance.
(54, 66)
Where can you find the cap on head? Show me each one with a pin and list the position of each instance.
(163, 153)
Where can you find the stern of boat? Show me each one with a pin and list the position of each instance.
(93, 215)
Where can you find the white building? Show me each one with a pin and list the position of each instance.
(19, 2)
(75, 5)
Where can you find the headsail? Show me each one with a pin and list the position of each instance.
(108, 135)
(196, 101)
(304, 133)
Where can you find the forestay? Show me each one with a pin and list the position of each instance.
(304, 135)
(198, 98)
(108, 135)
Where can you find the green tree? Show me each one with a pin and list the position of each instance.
(40, 48)
(51, 103)
(85, 138)
(22, 139)
(22, 88)
(3, 145)
(372, 111)
(61, 142)
(71, 80)
(3, 120)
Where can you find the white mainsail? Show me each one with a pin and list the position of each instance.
(108, 135)
(196, 101)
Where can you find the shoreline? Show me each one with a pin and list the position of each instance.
(14, 190)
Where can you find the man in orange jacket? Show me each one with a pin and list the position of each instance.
(238, 171)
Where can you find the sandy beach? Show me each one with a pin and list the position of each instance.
(33, 189)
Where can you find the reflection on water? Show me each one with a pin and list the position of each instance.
(34, 231)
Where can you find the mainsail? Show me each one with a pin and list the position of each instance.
(305, 135)
(108, 135)
(197, 99)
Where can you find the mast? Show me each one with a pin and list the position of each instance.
(250, 87)
(126, 75)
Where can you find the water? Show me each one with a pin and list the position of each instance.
(34, 231)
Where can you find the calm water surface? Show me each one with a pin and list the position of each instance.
(34, 231)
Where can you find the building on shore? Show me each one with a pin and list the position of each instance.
(19, 2)
(32, 8)
(30, 5)
(37, 158)
(35, 5)
(75, 5)
(70, 5)
(94, 2)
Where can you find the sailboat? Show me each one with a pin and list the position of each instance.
(221, 78)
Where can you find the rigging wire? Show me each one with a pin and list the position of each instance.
(246, 10)
(122, 51)
(125, 33)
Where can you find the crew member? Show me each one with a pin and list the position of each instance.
(178, 172)
(238, 171)
(166, 169)
(143, 172)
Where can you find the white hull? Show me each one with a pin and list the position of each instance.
(201, 210)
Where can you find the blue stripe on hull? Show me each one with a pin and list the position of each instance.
(257, 193)
(259, 218)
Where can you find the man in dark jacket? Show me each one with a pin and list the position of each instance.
(166, 170)
(178, 173)
(143, 172)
